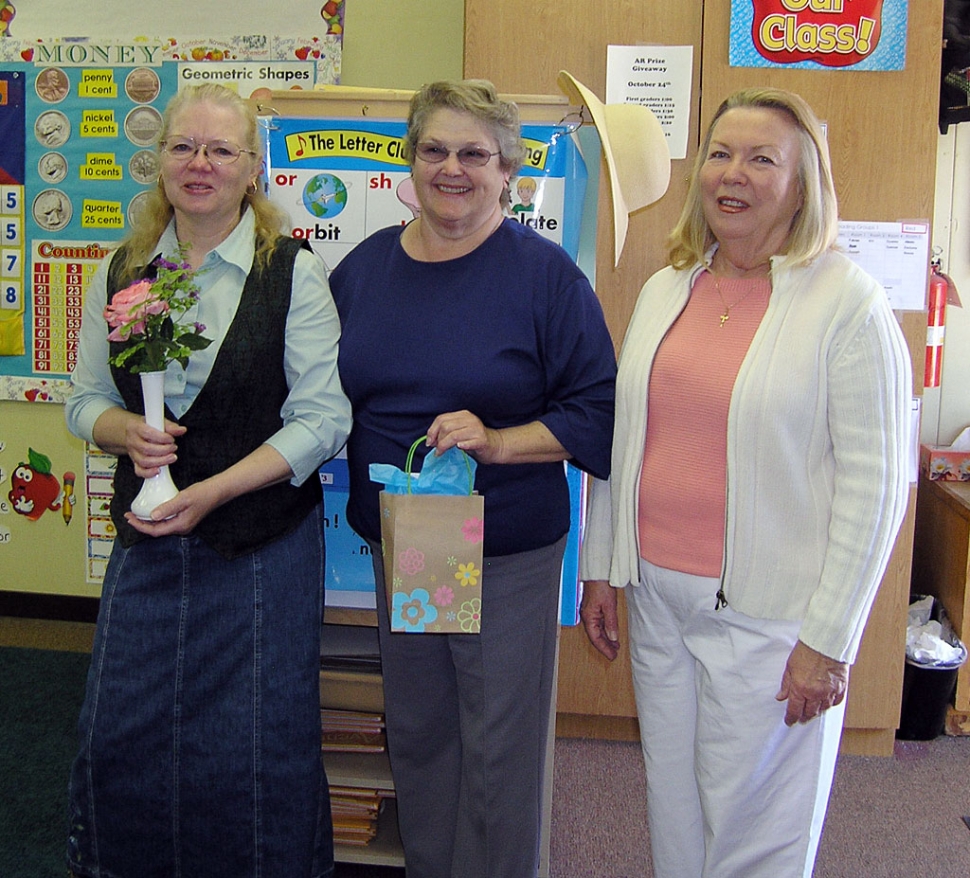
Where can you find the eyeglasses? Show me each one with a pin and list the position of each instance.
(469, 156)
(219, 152)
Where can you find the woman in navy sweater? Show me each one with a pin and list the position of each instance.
(474, 330)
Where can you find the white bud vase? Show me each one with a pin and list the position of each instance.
(158, 488)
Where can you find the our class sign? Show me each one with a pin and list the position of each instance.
(829, 33)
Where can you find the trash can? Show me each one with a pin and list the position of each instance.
(934, 655)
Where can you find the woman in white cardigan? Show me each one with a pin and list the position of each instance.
(754, 510)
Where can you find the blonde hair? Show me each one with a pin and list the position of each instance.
(814, 227)
(157, 211)
(478, 98)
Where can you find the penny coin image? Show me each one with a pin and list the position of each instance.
(144, 166)
(52, 210)
(52, 85)
(52, 128)
(142, 85)
(142, 125)
(52, 167)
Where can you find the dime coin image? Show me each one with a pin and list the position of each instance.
(144, 166)
(142, 125)
(52, 128)
(52, 167)
(52, 85)
(142, 85)
(52, 210)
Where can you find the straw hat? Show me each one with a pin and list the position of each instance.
(637, 156)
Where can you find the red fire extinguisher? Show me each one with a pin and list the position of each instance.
(935, 325)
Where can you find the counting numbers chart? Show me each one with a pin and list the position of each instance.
(12, 248)
(58, 298)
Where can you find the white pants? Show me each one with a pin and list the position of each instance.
(732, 792)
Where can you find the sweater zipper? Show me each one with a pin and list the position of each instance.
(721, 601)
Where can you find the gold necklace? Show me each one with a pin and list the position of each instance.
(727, 308)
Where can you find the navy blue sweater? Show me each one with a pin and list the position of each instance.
(512, 332)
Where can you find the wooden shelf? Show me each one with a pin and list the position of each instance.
(361, 690)
(350, 616)
(370, 771)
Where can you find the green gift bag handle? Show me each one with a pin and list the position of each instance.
(410, 459)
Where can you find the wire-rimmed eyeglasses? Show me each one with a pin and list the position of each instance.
(219, 152)
(469, 156)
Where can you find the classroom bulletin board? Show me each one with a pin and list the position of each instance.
(79, 118)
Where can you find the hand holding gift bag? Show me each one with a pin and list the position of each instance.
(432, 527)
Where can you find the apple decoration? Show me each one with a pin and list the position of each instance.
(7, 12)
(34, 488)
(332, 13)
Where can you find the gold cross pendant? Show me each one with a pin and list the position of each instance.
(724, 318)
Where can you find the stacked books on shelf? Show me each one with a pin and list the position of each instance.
(352, 735)
(355, 812)
(355, 808)
(351, 731)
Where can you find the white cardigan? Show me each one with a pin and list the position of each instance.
(816, 450)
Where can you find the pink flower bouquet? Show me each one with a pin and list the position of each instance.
(144, 318)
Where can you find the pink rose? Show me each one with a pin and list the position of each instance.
(128, 309)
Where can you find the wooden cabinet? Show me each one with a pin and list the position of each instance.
(941, 567)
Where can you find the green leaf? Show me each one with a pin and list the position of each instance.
(40, 463)
(195, 342)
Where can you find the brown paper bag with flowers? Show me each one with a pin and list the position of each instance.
(432, 549)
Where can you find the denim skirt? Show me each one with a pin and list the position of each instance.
(199, 738)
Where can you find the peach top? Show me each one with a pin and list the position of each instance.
(683, 480)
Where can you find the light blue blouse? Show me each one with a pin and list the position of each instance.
(316, 414)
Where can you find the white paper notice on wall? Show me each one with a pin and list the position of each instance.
(896, 254)
(658, 77)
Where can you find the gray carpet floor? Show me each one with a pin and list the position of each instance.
(887, 818)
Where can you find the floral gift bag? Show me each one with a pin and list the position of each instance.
(432, 526)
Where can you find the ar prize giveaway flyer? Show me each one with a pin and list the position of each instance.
(340, 180)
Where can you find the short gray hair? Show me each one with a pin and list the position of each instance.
(478, 98)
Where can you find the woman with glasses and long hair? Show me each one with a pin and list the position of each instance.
(473, 329)
(199, 737)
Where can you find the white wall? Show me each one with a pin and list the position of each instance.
(946, 410)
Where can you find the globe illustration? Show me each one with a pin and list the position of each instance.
(325, 196)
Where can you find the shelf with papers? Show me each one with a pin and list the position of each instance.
(350, 679)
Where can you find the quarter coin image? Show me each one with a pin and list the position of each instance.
(52, 210)
(136, 206)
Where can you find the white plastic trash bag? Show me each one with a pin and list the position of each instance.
(931, 642)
